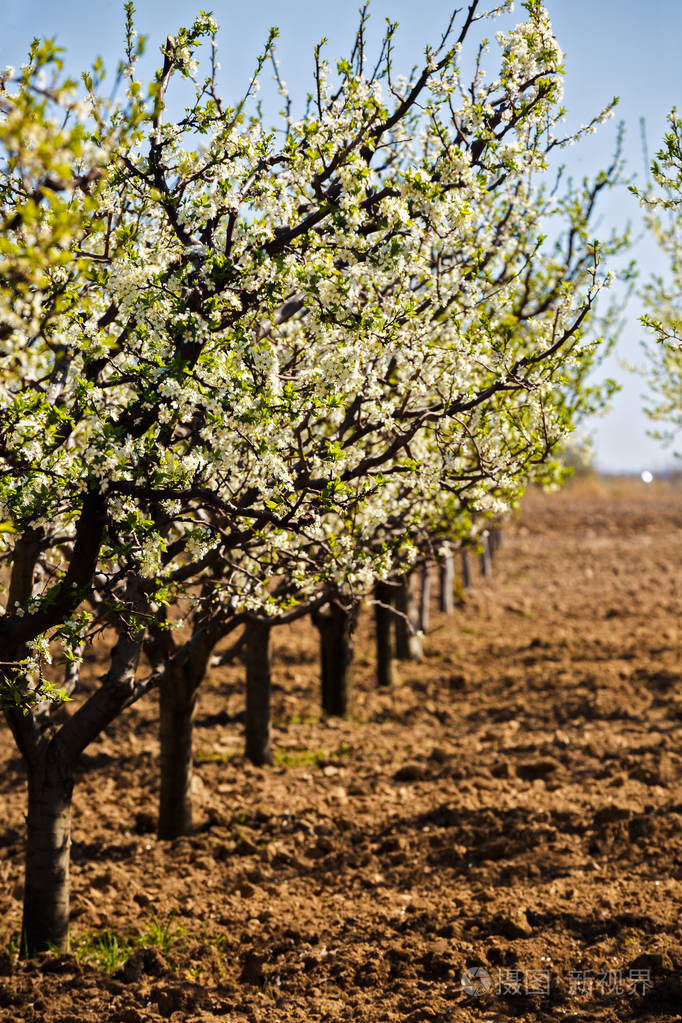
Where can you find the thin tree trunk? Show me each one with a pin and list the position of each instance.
(184, 671)
(383, 617)
(258, 683)
(447, 584)
(408, 644)
(177, 703)
(466, 570)
(486, 557)
(45, 921)
(178, 688)
(424, 598)
(336, 626)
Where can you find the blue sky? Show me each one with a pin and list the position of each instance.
(627, 48)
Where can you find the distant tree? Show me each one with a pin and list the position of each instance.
(663, 294)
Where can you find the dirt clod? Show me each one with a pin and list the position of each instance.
(497, 837)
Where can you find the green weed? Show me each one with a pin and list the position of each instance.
(162, 936)
(299, 757)
(106, 951)
(302, 719)
(632, 942)
(208, 757)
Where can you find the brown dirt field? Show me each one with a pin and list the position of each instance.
(513, 805)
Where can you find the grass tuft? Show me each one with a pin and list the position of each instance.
(299, 757)
(108, 951)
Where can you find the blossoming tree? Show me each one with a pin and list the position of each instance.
(222, 343)
(663, 297)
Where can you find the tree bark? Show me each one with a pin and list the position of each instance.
(383, 617)
(177, 703)
(408, 644)
(50, 754)
(336, 626)
(183, 671)
(258, 686)
(486, 557)
(424, 598)
(17, 630)
(45, 921)
(446, 572)
(466, 570)
(179, 683)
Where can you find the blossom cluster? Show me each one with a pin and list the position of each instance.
(284, 363)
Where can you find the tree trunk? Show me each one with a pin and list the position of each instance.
(177, 702)
(258, 680)
(486, 557)
(45, 921)
(447, 585)
(408, 644)
(424, 598)
(336, 627)
(50, 755)
(466, 570)
(383, 617)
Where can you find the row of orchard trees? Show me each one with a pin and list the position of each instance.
(246, 373)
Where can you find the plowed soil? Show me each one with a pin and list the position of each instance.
(499, 837)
